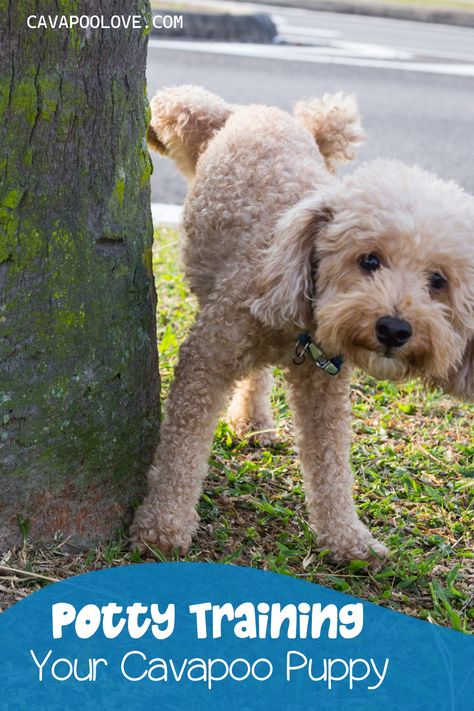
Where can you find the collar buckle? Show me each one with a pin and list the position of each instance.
(305, 345)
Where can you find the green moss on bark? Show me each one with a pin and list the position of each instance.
(79, 403)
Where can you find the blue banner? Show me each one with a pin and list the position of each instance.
(200, 636)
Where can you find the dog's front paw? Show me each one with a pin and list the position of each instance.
(152, 527)
(354, 542)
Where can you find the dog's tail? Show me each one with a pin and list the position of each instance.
(334, 121)
(183, 121)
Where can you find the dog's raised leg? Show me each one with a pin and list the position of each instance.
(208, 367)
(322, 411)
(251, 410)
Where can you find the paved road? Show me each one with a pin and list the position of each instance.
(414, 83)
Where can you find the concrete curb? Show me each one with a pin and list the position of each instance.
(165, 215)
(379, 9)
(223, 27)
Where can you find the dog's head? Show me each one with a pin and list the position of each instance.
(380, 266)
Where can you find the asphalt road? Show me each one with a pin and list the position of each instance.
(414, 83)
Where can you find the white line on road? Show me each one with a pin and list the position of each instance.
(287, 29)
(316, 55)
(295, 34)
(312, 38)
(364, 49)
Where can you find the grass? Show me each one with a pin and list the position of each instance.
(468, 5)
(437, 4)
(413, 459)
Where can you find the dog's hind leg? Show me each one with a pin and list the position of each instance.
(208, 367)
(322, 411)
(250, 411)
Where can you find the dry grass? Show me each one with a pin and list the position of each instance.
(184, 6)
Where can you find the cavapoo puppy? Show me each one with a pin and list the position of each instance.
(295, 267)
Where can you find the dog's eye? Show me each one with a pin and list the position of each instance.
(370, 262)
(437, 281)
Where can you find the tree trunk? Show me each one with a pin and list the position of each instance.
(79, 388)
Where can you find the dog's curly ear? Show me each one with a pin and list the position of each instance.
(288, 269)
(460, 380)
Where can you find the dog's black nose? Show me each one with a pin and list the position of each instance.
(392, 332)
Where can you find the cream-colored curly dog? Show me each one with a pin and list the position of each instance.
(375, 268)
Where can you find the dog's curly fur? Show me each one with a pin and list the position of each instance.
(272, 246)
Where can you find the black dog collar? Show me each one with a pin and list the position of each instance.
(305, 344)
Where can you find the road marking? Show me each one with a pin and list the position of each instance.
(164, 214)
(364, 49)
(286, 29)
(317, 55)
(359, 49)
(303, 35)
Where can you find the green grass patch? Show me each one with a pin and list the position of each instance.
(413, 459)
(436, 4)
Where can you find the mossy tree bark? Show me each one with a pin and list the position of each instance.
(79, 390)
